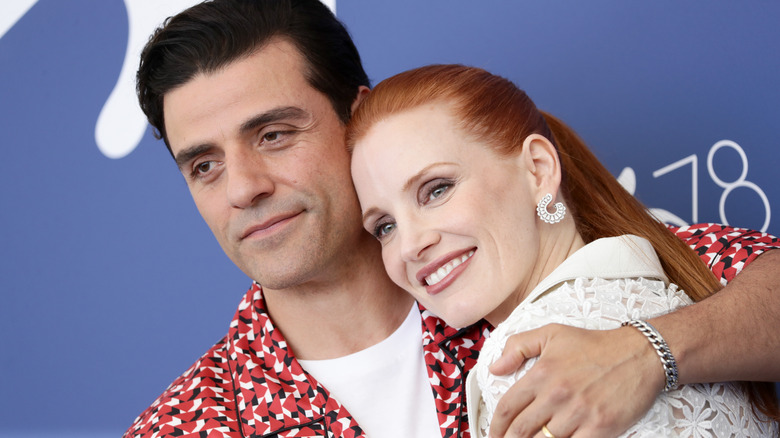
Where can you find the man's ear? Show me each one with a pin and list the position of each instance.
(541, 158)
(361, 94)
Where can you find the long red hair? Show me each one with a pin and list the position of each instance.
(493, 109)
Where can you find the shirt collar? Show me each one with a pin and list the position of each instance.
(625, 256)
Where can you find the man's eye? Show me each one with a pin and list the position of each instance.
(272, 136)
(204, 170)
(204, 167)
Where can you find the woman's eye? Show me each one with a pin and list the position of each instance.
(438, 191)
(434, 190)
(383, 230)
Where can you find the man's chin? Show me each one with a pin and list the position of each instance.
(285, 272)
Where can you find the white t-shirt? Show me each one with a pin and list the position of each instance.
(385, 387)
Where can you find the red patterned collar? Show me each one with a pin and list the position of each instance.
(274, 395)
(449, 355)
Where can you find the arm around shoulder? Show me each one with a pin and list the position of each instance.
(731, 335)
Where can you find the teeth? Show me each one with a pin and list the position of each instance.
(446, 269)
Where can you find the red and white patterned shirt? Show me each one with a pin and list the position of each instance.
(250, 385)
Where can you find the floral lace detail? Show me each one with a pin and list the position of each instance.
(702, 410)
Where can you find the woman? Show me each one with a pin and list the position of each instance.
(487, 208)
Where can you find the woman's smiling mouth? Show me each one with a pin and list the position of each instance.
(445, 270)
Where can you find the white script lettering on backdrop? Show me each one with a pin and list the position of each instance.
(12, 11)
(121, 124)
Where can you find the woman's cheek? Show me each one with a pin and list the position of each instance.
(394, 266)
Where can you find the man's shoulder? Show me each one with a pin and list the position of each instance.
(705, 233)
(200, 400)
(724, 249)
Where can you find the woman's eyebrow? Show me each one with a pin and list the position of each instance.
(416, 177)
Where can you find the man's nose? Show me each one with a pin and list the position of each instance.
(248, 180)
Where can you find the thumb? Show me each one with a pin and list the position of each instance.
(518, 348)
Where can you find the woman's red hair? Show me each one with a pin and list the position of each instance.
(492, 109)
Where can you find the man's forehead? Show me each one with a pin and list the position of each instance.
(264, 81)
(275, 68)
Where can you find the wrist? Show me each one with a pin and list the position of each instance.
(656, 347)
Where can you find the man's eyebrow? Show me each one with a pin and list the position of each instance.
(185, 156)
(274, 115)
(271, 116)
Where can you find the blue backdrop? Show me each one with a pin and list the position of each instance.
(112, 285)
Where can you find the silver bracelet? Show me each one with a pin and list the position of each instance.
(660, 346)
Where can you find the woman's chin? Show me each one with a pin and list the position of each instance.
(460, 321)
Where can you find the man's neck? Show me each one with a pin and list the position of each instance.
(353, 308)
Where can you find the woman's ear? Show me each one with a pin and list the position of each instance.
(541, 158)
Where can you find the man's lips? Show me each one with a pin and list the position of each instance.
(268, 225)
(436, 273)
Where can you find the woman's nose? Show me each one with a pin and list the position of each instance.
(415, 240)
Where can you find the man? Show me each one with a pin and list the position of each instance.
(251, 98)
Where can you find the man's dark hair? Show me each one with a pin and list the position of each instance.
(210, 35)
